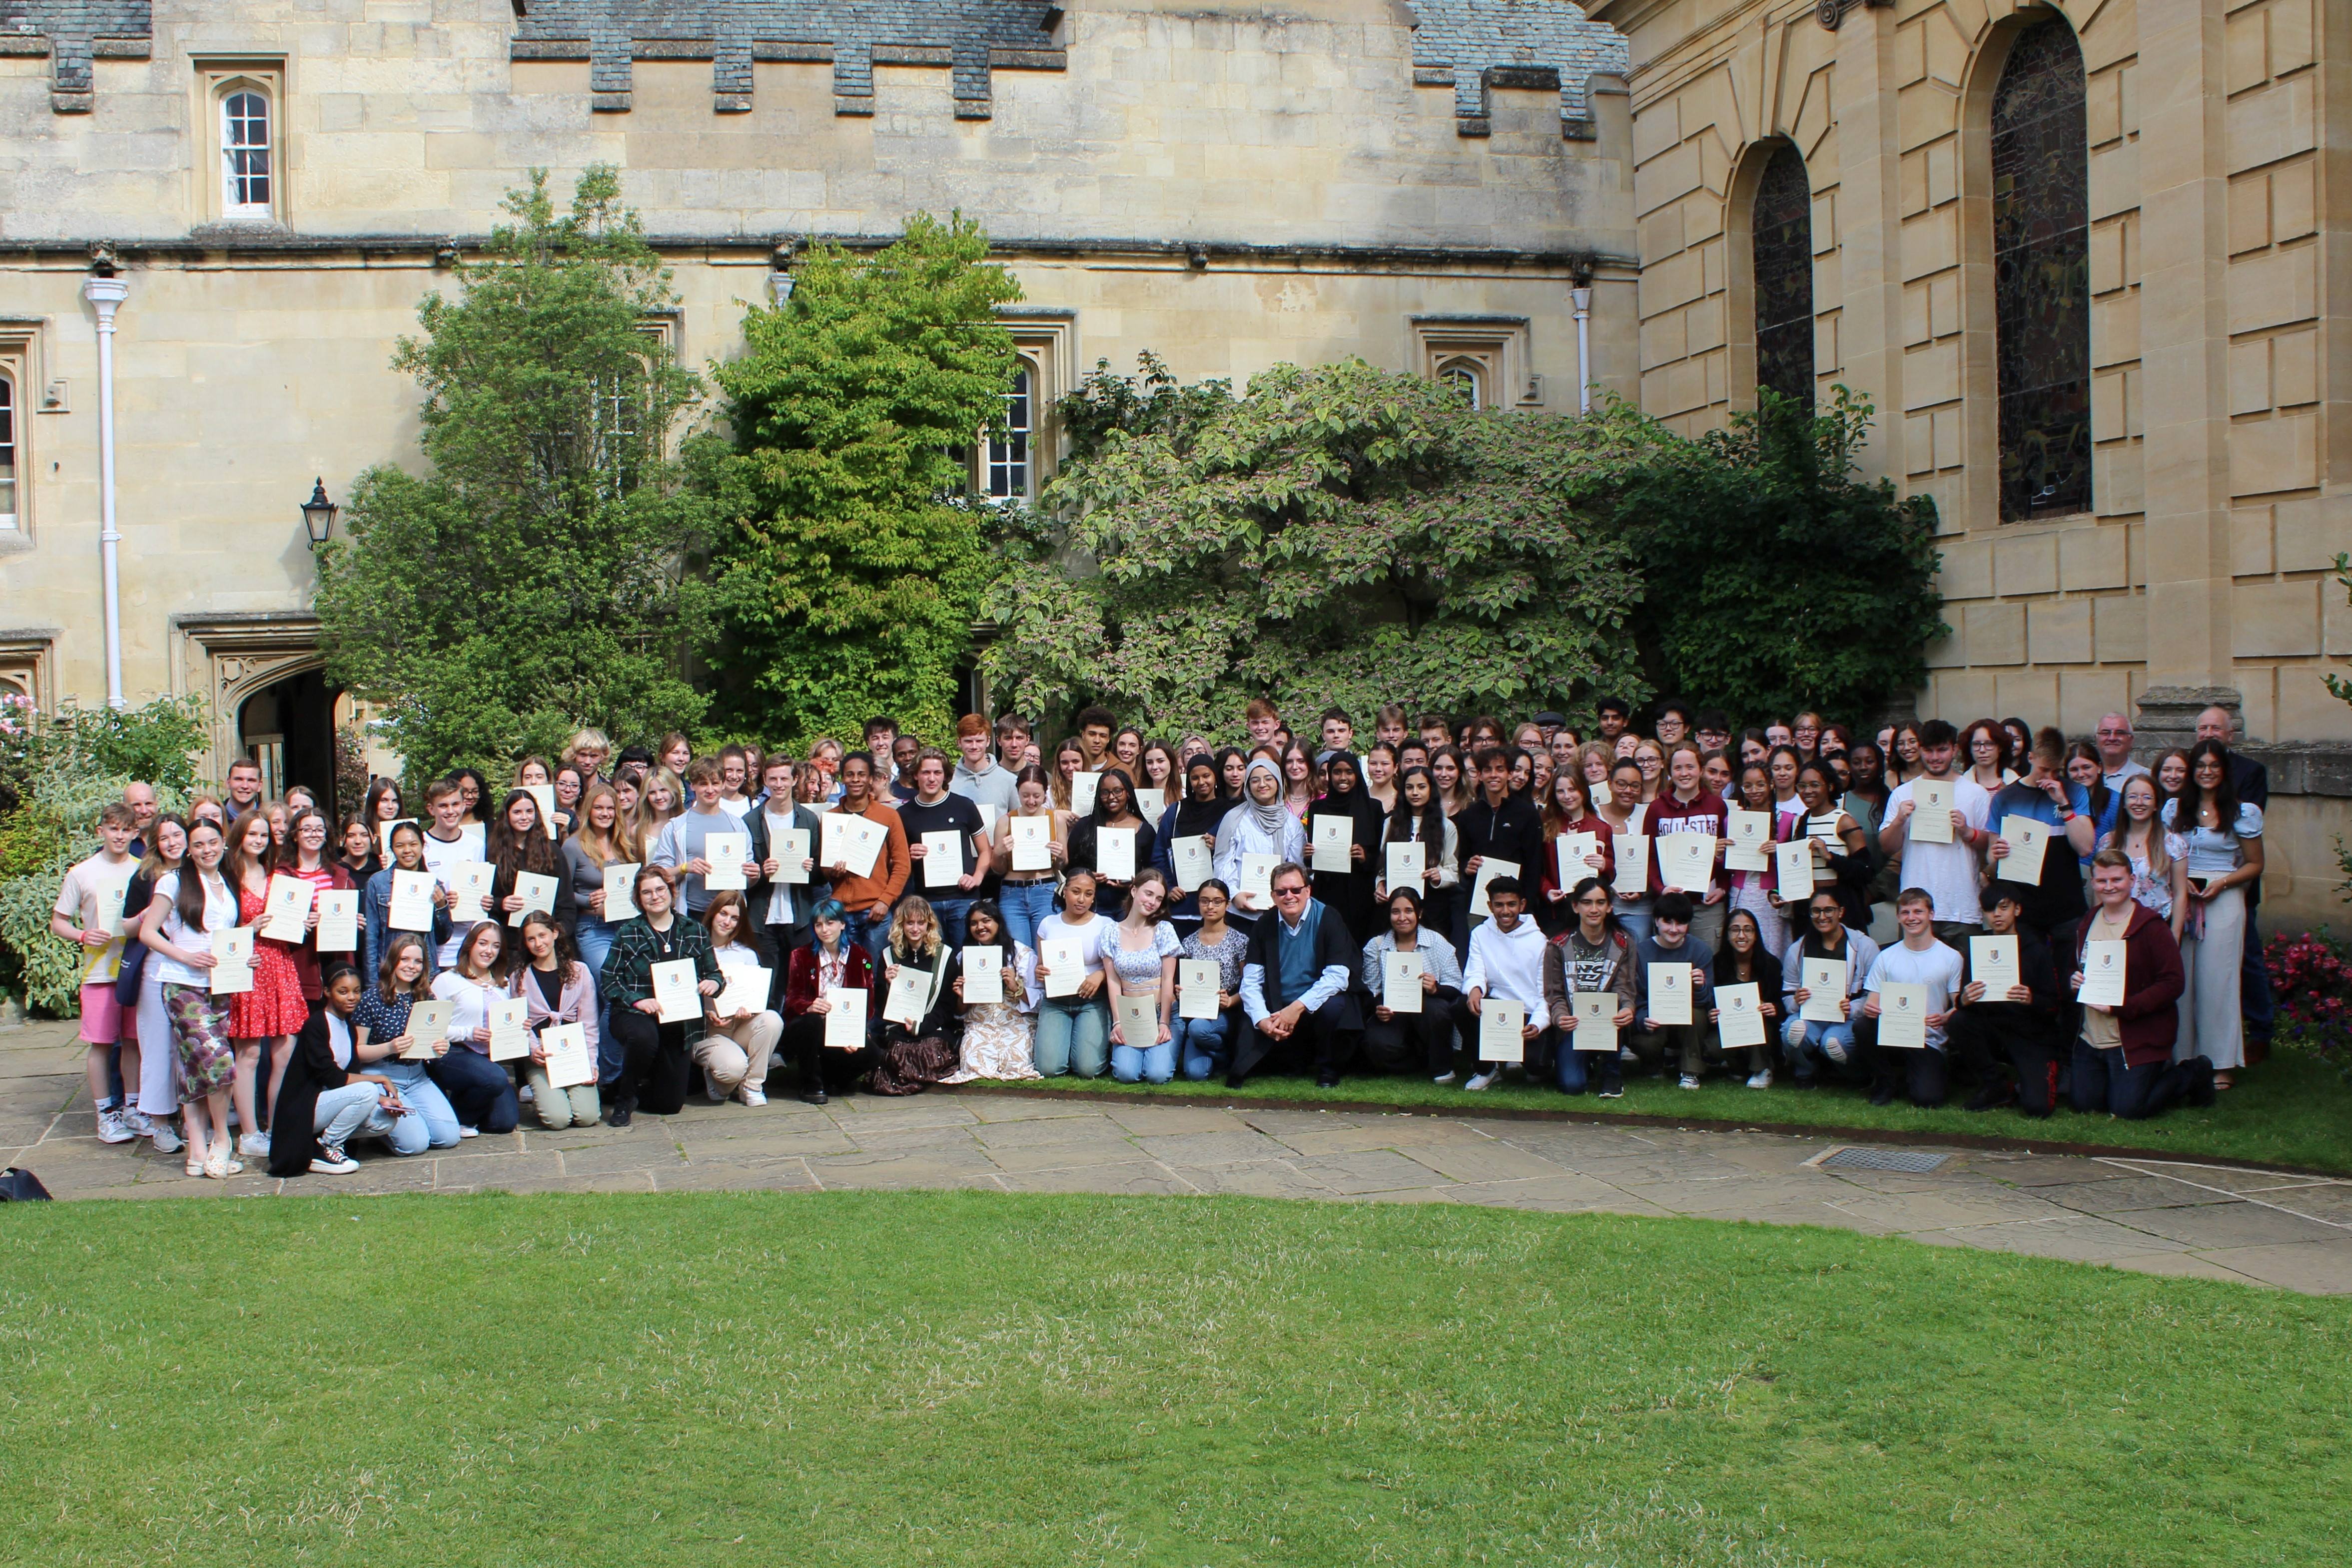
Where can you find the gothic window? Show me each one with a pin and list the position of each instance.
(1008, 454)
(8, 451)
(2042, 275)
(1782, 224)
(245, 145)
(1467, 379)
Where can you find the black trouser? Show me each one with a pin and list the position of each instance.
(1318, 1039)
(1987, 1041)
(1920, 1073)
(1412, 1042)
(803, 1046)
(654, 1062)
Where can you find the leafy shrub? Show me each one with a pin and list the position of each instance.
(40, 841)
(2311, 985)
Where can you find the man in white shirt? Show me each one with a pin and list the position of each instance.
(2114, 741)
(1507, 961)
(448, 845)
(1918, 960)
(1947, 872)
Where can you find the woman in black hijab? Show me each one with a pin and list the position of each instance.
(1113, 807)
(1349, 894)
(1194, 818)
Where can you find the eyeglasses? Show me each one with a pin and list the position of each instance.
(2115, 734)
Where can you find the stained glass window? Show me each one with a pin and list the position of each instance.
(1784, 228)
(2042, 275)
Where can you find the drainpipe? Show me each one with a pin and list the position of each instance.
(1582, 295)
(106, 295)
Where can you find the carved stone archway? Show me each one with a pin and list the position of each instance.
(227, 658)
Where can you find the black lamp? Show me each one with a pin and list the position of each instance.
(318, 513)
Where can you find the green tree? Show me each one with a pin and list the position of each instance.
(536, 577)
(851, 563)
(1340, 534)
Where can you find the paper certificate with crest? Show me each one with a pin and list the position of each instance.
(470, 883)
(1747, 840)
(2027, 840)
(538, 893)
(1333, 837)
(1196, 861)
(789, 845)
(1138, 1020)
(1489, 869)
(1670, 993)
(232, 970)
(1115, 853)
(1150, 804)
(621, 892)
(1632, 864)
(286, 908)
(2103, 974)
(565, 1046)
(1400, 975)
(677, 989)
(1408, 864)
(412, 901)
(1824, 984)
(1257, 878)
(1082, 792)
(428, 1026)
(1596, 1020)
(338, 921)
(942, 859)
(1931, 810)
(1993, 961)
(1903, 1015)
(1686, 860)
(845, 1021)
(1739, 1016)
(854, 841)
(1197, 981)
(509, 1033)
(1794, 862)
(727, 853)
(983, 976)
(909, 995)
(1500, 1020)
(1065, 964)
(1571, 850)
(1030, 836)
(744, 990)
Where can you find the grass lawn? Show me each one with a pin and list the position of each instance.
(2295, 1110)
(967, 1378)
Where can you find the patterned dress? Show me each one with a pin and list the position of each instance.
(275, 1005)
(999, 1038)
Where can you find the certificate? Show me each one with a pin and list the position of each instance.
(286, 908)
(1499, 1023)
(1570, 848)
(1931, 811)
(2103, 974)
(428, 1026)
(1740, 1020)
(1489, 869)
(1065, 963)
(1400, 975)
(745, 990)
(383, 835)
(1196, 859)
(845, 1021)
(1747, 840)
(412, 901)
(1408, 864)
(471, 881)
(1082, 792)
(545, 795)
(339, 922)
(1993, 961)
(677, 988)
(565, 1046)
(1114, 854)
(232, 970)
(983, 976)
(1686, 860)
(1031, 836)
(1903, 1015)
(1633, 863)
(942, 859)
(509, 1036)
(1197, 982)
(1257, 878)
(910, 996)
(1670, 993)
(621, 892)
(538, 893)
(2027, 840)
(727, 853)
(1138, 1020)
(1334, 835)
(789, 846)
(1596, 1020)
(1151, 802)
(1794, 862)
(1824, 983)
(851, 841)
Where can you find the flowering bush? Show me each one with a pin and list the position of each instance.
(2311, 980)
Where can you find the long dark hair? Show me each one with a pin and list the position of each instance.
(529, 850)
(190, 902)
(2224, 795)
(1124, 784)
(1003, 943)
(567, 955)
(1229, 796)
(1433, 815)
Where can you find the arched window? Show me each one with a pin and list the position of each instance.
(8, 451)
(1467, 379)
(245, 145)
(1782, 225)
(1008, 454)
(2042, 275)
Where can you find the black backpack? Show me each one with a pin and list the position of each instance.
(21, 1187)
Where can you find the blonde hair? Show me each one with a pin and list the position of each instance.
(929, 947)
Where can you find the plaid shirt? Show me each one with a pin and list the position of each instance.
(637, 947)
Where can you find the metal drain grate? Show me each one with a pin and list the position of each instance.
(1879, 1160)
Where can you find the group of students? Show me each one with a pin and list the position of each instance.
(1461, 899)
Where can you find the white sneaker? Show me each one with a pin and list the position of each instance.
(112, 1128)
(333, 1162)
(254, 1145)
(1763, 1079)
(136, 1119)
(166, 1136)
(1689, 1081)
(523, 1095)
(465, 1133)
(1481, 1081)
(751, 1096)
(711, 1090)
(1444, 1077)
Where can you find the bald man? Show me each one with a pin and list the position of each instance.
(2251, 781)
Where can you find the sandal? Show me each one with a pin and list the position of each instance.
(2223, 1080)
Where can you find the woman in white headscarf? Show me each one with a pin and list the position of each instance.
(1261, 825)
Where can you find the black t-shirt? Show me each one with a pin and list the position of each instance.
(953, 812)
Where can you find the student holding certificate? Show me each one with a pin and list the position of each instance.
(1505, 964)
(1672, 1023)
(1073, 1020)
(274, 1010)
(1260, 825)
(1757, 889)
(830, 966)
(1114, 813)
(1570, 825)
(188, 905)
(1626, 815)
(1687, 805)
(1498, 825)
(738, 1031)
(1420, 1040)
(518, 842)
(1919, 960)
(1204, 1045)
(1593, 956)
(1940, 856)
(605, 840)
(911, 1056)
(476, 1087)
(1349, 894)
(1028, 843)
(999, 1037)
(1186, 839)
(305, 855)
(1841, 853)
(791, 883)
(1142, 964)
(687, 840)
(557, 987)
(2044, 797)
(654, 1062)
(2122, 1052)
(2011, 1010)
(1747, 961)
(1419, 818)
(933, 817)
(866, 895)
(381, 1039)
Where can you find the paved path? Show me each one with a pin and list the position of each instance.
(2157, 1216)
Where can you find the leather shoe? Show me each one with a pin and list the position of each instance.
(818, 1096)
(1328, 1078)
(1883, 1095)
(617, 1114)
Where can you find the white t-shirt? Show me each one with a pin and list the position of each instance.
(469, 1006)
(220, 914)
(438, 858)
(91, 897)
(1938, 969)
(339, 1038)
(1945, 872)
(1094, 938)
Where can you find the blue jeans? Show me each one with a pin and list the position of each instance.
(1144, 1064)
(1635, 918)
(2101, 1082)
(429, 1122)
(868, 932)
(593, 936)
(1024, 905)
(479, 1089)
(1577, 1069)
(1203, 1044)
(1804, 1038)
(951, 914)
(1072, 1037)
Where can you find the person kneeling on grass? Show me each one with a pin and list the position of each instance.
(1507, 961)
(1918, 960)
(2020, 1028)
(2123, 1053)
(1670, 941)
(1412, 1042)
(1593, 954)
(323, 1104)
(557, 987)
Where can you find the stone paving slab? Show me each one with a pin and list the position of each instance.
(2179, 1218)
